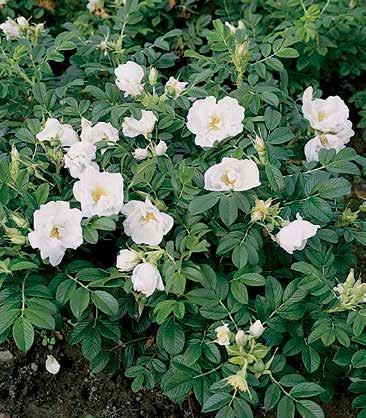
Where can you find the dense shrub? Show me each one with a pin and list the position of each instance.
(175, 196)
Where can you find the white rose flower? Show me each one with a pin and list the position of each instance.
(232, 174)
(175, 87)
(56, 228)
(145, 224)
(223, 335)
(3, 2)
(328, 115)
(141, 153)
(129, 77)
(146, 279)
(144, 126)
(22, 22)
(99, 194)
(127, 260)
(161, 148)
(80, 156)
(101, 131)
(295, 235)
(11, 29)
(256, 329)
(322, 141)
(54, 130)
(213, 122)
(52, 365)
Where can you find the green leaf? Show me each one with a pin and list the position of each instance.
(272, 118)
(23, 334)
(287, 53)
(271, 397)
(286, 408)
(79, 301)
(228, 210)
(41, 319)
(275, 177)
(216, 401)
(359, 359)
(105, 302)
(309, 409)
(172, 336)
(306, 390)
(242, 408)
(335, 188)
(203, 203)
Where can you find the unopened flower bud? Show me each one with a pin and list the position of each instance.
(153, 76)
(240, 338)
(256, 329)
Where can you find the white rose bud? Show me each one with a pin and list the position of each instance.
(52, 365)
(153, 76)
(241, 338)
(127, 260)
(256, 329)
(141, 154)
(146, 279)
(161, 148)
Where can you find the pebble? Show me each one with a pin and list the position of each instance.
(6, 356)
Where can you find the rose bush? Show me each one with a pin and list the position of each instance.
(178, 205)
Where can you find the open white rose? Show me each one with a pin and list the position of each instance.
(213, 121)
(80, 156)
(141, 154)
(223, 335)
(256, 329)
(329, 115)
(129, 77)
(99, 194)
(145, 224)
(175, 87)
(144, 126)
(127, 260)
(52, 365)
(322, 141)
(101, 131)
(232, 174)
(146, 279)
(161, 148)
(54, 130)
(295, 235)
(11, 29)
(56, 228)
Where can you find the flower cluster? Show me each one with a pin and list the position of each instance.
(20, 27)
(329, 119)
(350, 293)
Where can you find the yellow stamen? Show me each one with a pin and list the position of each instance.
(97, 193)
(323, 140)
(214, 123)
(321, 116)
(225, 179)
(149, 217)
(55, 233)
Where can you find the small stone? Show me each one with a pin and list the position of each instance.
(34, 367)
(6, 356)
